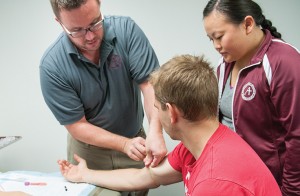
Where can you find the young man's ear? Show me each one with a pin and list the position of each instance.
(173, 112)
(249, 24)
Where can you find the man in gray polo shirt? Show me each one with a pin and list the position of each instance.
(92, 77)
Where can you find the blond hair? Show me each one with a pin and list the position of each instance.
(190, 83)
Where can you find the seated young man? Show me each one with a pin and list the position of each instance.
(210, 159)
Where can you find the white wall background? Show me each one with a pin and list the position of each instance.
(28, 27)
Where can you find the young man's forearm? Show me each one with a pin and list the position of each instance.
(121, 179)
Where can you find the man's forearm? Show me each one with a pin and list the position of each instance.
(88, 133)
(121, 180)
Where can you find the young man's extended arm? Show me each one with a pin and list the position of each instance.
(121, 179)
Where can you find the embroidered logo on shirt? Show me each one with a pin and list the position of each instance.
(248, 91)
(115, 61)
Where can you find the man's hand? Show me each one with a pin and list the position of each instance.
(135, 148)
(73, 173)
(156, 149)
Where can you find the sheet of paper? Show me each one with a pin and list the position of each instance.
(55, 185)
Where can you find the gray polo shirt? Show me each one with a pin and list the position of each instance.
(107, 94)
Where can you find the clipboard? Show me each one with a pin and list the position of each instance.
(7, 140)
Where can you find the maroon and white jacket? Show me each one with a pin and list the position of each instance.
(266, 108)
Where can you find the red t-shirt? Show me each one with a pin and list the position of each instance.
(227, 166)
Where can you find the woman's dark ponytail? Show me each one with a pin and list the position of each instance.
(267, 24)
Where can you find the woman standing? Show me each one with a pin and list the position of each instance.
(259, 85)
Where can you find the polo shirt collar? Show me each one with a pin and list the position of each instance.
(70, 48)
